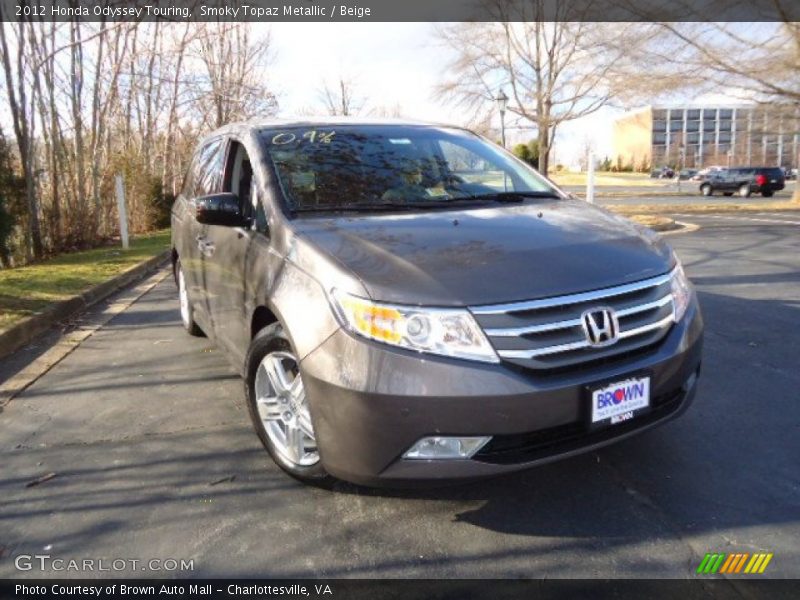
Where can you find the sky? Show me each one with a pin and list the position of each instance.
(391, 64)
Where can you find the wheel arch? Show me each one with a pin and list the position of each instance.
(262, 317)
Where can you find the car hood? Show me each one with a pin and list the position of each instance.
(488, 255)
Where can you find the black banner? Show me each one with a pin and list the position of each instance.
(272, 11)
(359, 589)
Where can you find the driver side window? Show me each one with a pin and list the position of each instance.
(239, 177)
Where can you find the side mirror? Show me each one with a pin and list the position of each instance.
(220, 209)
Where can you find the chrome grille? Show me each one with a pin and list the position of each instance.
(548, 333)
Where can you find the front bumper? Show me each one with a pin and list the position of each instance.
(370, 403)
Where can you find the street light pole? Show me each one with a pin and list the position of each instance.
(502, 103)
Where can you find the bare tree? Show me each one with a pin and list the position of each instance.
(89, 100)
(22, 107)
(395, 111)
(341, 98)
(233, 81)
(555, 71)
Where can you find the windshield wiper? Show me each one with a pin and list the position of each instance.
(511, 196)
(443, 202)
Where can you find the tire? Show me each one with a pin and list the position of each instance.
(187, 312)
(744, 190)
(706, 190)
(767, 194)
(727, 194)
(279, 409)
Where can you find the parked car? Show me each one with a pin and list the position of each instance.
(662, 173)
(410, 302)
(744, 181)
(686, 174)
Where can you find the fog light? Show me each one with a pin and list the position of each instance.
(445, 447)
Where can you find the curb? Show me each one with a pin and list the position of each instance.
(683, 227)
(29, 328)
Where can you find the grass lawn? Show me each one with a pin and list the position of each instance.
(27, 290)
(603, 178)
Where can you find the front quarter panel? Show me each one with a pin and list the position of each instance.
(301, 304)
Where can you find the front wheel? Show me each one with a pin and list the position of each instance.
(705, 190)
(744, 190)
(278, 406)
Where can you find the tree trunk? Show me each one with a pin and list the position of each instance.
(18, 104)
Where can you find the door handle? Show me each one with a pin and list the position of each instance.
(206, 248)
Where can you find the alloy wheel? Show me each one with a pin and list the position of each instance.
(283, 409)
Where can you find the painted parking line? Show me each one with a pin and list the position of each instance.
(741, 218)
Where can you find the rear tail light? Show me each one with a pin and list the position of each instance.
(761, 179)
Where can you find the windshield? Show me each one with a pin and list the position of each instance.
(349, 167)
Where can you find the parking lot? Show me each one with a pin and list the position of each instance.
(154, 456)
(688, 194)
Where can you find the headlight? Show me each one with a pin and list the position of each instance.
(681, 291)
(449, 332)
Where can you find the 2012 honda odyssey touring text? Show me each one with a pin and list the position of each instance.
(409, 302)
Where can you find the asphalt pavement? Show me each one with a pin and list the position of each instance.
(154, 457)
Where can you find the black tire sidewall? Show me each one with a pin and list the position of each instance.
(271, 339)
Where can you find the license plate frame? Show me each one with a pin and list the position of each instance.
(603, 413)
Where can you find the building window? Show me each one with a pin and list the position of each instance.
(710, 114)
(693, 113)
(660, 138)
(692, 125)
(676, 126)
(692, 138)
(659, 125)
(724, 125)
(725, 113)
(676, 115)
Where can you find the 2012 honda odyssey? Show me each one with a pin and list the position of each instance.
(410, 302)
